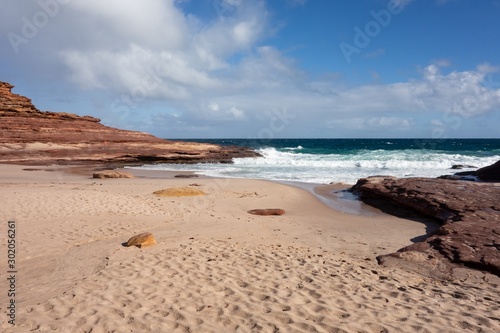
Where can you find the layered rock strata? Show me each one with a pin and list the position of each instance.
(30, 136)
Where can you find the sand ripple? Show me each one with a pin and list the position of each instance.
(223, 286)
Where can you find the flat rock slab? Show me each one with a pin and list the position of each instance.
(267, 211)
(186, 176)
(112, 174)
(142, 240)
(179, 192)
(469, 213)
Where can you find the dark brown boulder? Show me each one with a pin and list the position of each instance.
(462, 166)
(186, 175)
(490, 173)
(469, 213)
(267, 211)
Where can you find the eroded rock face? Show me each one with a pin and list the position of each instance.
(30, 136)
(469, 213)
(14, 105)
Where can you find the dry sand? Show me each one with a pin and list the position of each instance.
(216, 268)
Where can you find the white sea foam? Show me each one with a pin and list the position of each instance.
(292, 165)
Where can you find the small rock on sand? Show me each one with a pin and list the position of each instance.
(142, 240)
(179, 192)
(112, 174)
(268, 211)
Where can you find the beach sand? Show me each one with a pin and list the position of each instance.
(215, 268)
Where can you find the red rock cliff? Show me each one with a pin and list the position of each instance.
(30, 136)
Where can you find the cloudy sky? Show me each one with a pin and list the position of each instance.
(255, 68)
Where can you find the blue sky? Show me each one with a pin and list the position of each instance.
(261, 69)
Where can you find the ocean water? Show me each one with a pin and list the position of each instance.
(323, 161)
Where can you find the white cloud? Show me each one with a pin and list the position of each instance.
(436, 122)
(182, 54)
(243, 33)
(487, 68)
(155, 23)
(214, 107)
(265, 80)
(460, 93)
(237, 113)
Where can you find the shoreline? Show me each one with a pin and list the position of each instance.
(216, 267)
(332, 195)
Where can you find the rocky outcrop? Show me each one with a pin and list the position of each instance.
(267, 211)
(142, 240)
(112, 174)
(30, 136)
(490, 173)
(462, 166)
(13, 105)
(469, 213)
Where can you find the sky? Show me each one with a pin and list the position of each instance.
(261, 69)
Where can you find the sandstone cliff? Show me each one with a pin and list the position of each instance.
(30, 136)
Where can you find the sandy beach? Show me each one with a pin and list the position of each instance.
(215, 268)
